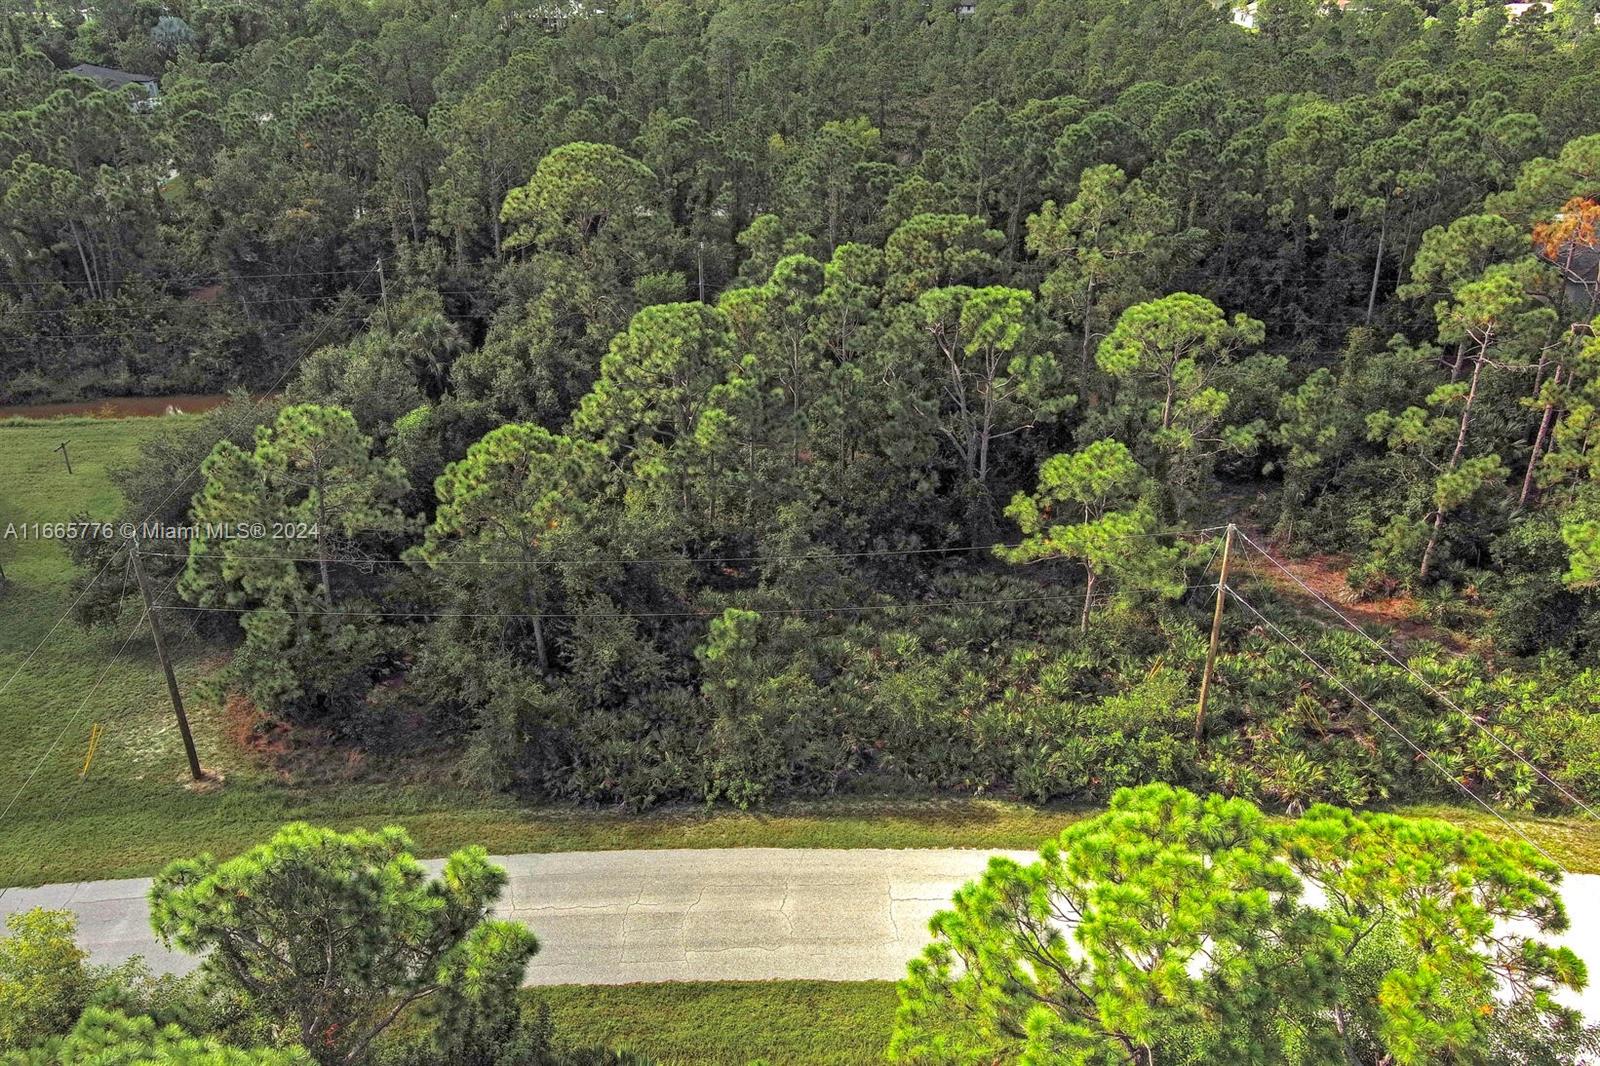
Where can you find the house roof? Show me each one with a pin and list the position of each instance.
(110, 77)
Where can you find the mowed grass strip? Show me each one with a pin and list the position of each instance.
(78, 677)
(729, 1023)
(130, 815)
(86, 842)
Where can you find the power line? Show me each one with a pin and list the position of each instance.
(177, 486)
(1216, 547)
(665, 559)
(855, 608)
(1421, 752)
(266, 302)
(170, 324)
(1430, 686)
(848, 608)
(99, 679)
(599, 560)
(223, 275)
(1358, 272)
(147, 331)
(70, 607)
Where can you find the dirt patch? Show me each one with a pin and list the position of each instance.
(292, 752)
(210, 781)
(253, 733)
(1325, 575)
(307, 755)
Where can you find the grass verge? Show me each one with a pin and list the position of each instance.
(729, 1023)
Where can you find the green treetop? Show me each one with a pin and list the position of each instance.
(518, 491)
(1093, 505)
(336, 937)
(1166, 357)
(1176, 929)
(1109, 248)
(309, 489)
(104, 1037)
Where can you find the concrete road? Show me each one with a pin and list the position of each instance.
(612, 917)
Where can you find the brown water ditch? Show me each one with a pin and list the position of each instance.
(120, 406)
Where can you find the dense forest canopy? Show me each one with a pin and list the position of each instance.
(734, 399)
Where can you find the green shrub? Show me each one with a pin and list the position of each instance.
(109, 1038)
(43, 981)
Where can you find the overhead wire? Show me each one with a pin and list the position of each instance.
(666, 559)
(176, 487)
(199, 280)
(145, 331)
(222, 277)
(850, 608)
(266, 302)
(82, 704)
(84, 591)
(1421, 752)
(1430, 686)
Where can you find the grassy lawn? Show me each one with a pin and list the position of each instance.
(1573, 840)
(130, 814)
(729, 1023)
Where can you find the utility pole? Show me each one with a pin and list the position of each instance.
(383, 290)
(62, 448)
(1216, 631)
(166, 664)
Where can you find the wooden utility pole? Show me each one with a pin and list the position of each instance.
(1216, 631)
(62, 448)
(166, 665)
(383, 291)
